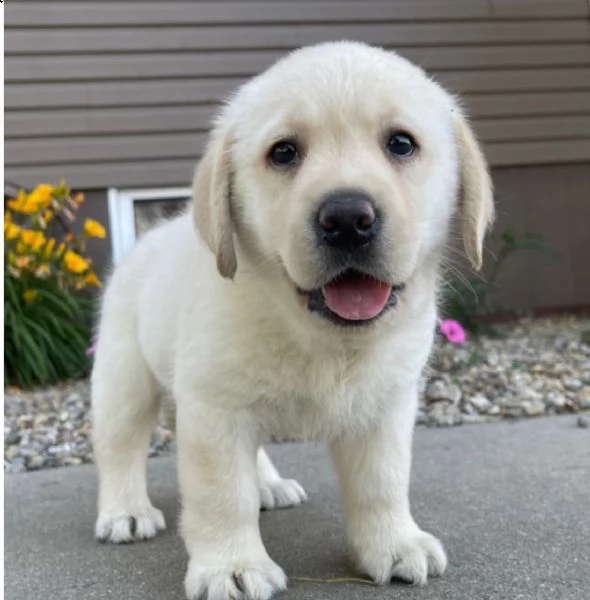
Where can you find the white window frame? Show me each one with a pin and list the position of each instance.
(122, 215)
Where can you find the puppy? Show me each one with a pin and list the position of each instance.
(306, 305)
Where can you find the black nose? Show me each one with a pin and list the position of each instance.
(347, 220)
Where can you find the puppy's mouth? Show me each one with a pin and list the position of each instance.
(352, 298)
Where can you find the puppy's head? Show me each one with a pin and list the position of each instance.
(338, 170)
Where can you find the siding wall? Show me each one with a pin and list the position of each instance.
(121, 93)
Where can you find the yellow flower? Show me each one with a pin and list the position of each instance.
(30, 296)
(92, 279)
(74, 262)
(60, 249)
(38, 199)
(21, 203)
(48, 216)
(93, 228)
(79, 198)
(11, 231)
(33, 239)
(41, 196)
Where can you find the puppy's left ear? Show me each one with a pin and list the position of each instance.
(212, 202)
(476, 199)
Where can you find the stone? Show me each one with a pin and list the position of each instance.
(494, 410)
(555, 400)
(533, 408)
(11, 452)
(13, 437)
(35, 462)
(583, 422)
(493, 359)
(571, 383)
(438, 391)
(480, 403)
(25, 421)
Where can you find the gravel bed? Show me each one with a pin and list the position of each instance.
(531, 368)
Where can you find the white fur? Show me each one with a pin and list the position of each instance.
(244, 359)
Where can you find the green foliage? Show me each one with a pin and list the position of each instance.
(45, 337)
(466, 299)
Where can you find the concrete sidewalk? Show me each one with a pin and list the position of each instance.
(510, 501)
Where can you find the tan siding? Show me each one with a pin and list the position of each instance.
(94, 88)
(551, 201)
(222, 37)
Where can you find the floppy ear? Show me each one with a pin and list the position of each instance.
(211, 202)
(476, 200)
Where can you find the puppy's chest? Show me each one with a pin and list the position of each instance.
(322, 396)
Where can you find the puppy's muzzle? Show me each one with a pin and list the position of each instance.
(347, 220)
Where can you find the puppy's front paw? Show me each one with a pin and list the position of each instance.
(124, 526)
(409, 554)
(283, 493)
(240, 580)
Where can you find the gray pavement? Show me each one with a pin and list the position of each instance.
(511, 502)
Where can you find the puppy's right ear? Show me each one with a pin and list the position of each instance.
(211, 201)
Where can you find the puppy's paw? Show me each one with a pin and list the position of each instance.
(245, 580)
(410, 555)
(122, 527)
(283, 493)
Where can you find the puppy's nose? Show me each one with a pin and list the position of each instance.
(347, 220)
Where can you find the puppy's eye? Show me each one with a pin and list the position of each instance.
(284, 154)
(400, 145)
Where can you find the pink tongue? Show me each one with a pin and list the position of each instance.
(356, 297)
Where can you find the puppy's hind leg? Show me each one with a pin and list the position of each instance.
(276, 492)
(125, 410)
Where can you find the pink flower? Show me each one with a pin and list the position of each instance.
(91, 349)
(452, 330)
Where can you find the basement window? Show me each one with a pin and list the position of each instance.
(133, 212)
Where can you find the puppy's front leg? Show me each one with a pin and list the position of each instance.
(217, 472)
(374, 471)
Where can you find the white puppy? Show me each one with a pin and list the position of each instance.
(305, 306)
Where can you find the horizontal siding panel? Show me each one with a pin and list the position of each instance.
(32, 14)
(40, 41)
(128, 67)
(516, 80)
(538, 128)
(536, 9)
(137, 93)
(46, 68)
(548, 103)
(157, 173)
(134, 66)
(514, 57)
(128, 147)
(538, 152)
(102, 121)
